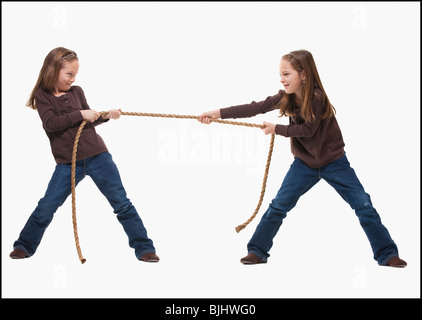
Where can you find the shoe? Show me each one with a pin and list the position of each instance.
(150, 257)
(396, 262)
(17, 254)
(251, 259)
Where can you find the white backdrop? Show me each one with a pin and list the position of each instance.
(192, 183)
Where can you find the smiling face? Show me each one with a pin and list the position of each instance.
(290, 78)
(67, 76)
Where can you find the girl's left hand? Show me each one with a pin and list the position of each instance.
(269, 127)
(114, 114)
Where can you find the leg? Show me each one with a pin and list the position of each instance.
(105, 175)
(57, 192)
(299, 179)
(343, 178)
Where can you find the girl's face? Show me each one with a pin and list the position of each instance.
(67, 75)
(290, 78)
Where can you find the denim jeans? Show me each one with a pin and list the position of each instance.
(299, 179)
(105, 175)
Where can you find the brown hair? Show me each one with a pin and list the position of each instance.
(302, 60)
(50, 72)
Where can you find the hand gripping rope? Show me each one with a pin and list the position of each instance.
(158, 115)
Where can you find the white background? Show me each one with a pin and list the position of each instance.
(192, 183)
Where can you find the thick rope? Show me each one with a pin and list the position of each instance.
(177, 116)
(264, 184)
(73, 185)
(159, 115)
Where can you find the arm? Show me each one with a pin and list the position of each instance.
(96, 118)
(253, 108)
(88, 114)
(243, 111)
(53, 121)
(306, 129)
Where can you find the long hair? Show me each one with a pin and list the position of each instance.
(302, 60)
(50, 72)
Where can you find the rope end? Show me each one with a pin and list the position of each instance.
(240, 228)
(83, 261)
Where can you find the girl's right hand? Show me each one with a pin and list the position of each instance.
(208, 115)
(90, 115)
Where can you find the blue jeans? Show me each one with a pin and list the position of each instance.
(105, 175)
(299, 179)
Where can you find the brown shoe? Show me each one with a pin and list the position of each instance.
(396, 262)
(251, 259)
(150, 257)
(17, 254)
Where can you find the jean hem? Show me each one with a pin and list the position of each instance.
(259, 255)
(386, 260)
(23, 249)
(144, 252)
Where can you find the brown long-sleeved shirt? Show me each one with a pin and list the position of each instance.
(316, 143)
(61, 117)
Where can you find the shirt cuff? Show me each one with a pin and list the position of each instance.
(281, 129)
(226, 113)
(76, 117)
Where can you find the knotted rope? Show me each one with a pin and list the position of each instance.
(159, 115)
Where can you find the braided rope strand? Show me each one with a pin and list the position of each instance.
(177, 116)
(264, 184)
(159, 115)
(72, 176)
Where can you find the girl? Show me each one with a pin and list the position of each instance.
(318, 149)
(62, 107)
